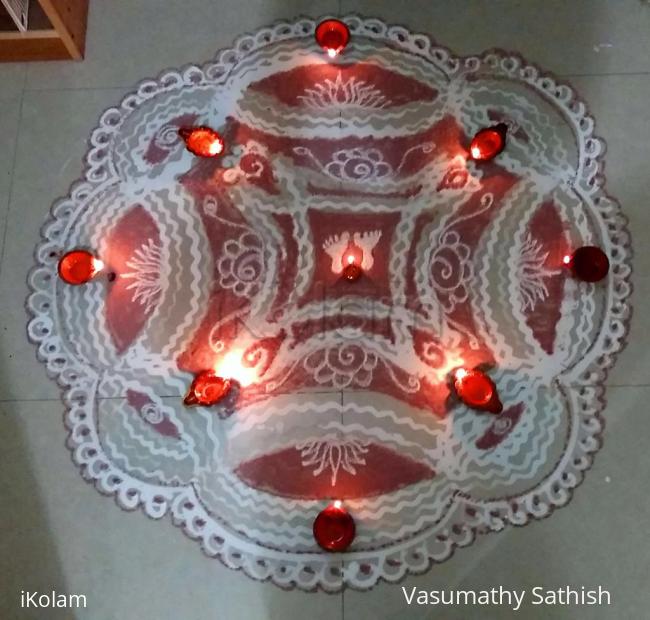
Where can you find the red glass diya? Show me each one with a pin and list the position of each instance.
(352, 271)
(78, 267)
(588, 263)
(332, 35)
(202, 141)
(477, 390)
(207, 389)
(334, 528)
(488, 142)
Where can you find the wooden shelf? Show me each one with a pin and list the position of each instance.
(56, 31)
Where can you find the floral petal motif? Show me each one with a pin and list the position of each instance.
(330, 454)
(533, 273)
(146, 285)
(541, 276)
(133, 252)
(350, 93)
(385, 470)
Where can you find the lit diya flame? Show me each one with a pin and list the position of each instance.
(232, 366)
(334, 528)
(488, 142)
(78, 267)
(202, 141)
(588, 263)
(332, 35)
(477, 390)
(352, 271)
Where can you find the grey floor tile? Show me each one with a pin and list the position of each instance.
(583, 36)
(50, 148)
(129, 41)
(388, 601)
(594, 541)
(618, 103)
(585, 543)
(64, 535)
(9, 115)
(12, 80)
(633, 367)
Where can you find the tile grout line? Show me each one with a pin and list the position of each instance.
(132, 85)
(571, 385)
(10, 191)
(80, 88)
(9, 401)
(612, 74)
(351, 392)
(124, 397)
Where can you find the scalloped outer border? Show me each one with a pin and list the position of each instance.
(335, 572)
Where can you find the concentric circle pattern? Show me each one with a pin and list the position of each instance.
(236, 262)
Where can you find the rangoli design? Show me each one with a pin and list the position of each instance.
(344, 392)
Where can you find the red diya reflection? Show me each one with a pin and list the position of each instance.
(477, 390)
(207, 389)
(588, 263)
(78, 267)
(488, 142)
(332, 35)
(202, 141)
(334, 528)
